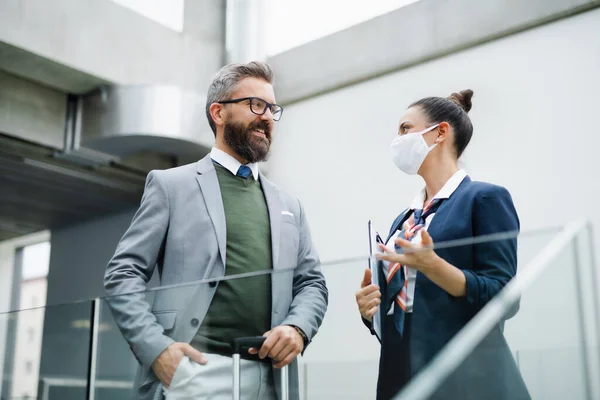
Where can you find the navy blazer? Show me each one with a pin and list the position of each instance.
(474, 209)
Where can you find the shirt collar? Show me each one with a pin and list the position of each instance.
(444, 193)
(230, 163)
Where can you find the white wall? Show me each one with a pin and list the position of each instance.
(534, 111)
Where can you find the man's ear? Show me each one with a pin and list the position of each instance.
(218, 113)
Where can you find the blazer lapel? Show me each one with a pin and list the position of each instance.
(211, 191)
(438, 224)
(400, 219)
(278, 280)
(275, 208)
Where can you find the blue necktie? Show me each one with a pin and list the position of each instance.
(398, 281)
(244, 171)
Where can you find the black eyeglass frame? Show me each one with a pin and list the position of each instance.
(267, 105)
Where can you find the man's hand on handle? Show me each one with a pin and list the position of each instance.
(165, 365)
(282, 345)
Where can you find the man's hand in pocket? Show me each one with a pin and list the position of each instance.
(166, 363)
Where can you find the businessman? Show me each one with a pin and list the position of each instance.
(219, 217)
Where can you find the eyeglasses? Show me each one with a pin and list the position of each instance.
(258, 106)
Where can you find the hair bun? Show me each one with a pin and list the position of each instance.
(463, 99)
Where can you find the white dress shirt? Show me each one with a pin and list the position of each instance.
(231, 163)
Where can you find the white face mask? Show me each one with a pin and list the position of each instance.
(409, 150)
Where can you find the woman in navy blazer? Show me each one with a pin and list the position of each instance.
(424, 298)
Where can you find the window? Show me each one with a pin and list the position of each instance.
(36, 260)
(24, 266)
(31, 265)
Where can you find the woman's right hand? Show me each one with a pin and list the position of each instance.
(368, 297)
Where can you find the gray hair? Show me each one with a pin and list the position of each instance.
(226, 81)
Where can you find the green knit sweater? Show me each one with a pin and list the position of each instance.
(240, 307)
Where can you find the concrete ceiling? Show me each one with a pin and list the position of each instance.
(45, 71)
(41, 192)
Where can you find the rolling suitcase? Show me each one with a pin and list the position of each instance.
(240, 344)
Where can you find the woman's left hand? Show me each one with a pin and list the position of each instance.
(420, 257)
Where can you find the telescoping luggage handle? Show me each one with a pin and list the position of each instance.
(256, 342)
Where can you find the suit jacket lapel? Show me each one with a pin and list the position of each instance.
(277, 280)
(438, 223)
(211, 191)
(275, 208)
(400, 219)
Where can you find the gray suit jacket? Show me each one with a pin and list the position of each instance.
(180, 227)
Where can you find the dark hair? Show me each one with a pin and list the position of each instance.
(227, 79)
(452, 110)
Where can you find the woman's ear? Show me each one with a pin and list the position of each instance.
(443, 130)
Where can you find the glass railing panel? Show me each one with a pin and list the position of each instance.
(116, 365)
(552, 338)
(181, 310)
(344, 357)
(47, 352)
(341, 362)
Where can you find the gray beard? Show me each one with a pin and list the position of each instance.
(245, 144)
